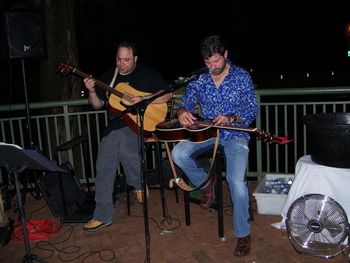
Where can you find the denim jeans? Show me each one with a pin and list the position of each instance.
(236, 154)
(120, 146)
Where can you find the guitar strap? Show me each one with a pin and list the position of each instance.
(113, 79)
(180, 181)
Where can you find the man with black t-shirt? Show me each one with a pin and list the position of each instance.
(119, 144)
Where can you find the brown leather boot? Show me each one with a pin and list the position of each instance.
(242, 247)
(208, 193)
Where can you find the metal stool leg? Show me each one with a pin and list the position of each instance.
(219, 195)
(128, 199)
(160, 176)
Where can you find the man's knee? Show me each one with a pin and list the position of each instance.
(178, 155)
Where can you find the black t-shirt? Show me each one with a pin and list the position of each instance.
(142, 79)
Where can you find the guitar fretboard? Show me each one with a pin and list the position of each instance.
(99, 83)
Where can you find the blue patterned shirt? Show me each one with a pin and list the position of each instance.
(234, 96)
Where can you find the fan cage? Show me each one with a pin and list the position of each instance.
(317, 225)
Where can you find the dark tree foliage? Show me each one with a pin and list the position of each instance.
(61, 48)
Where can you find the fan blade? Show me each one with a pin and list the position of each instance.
(313, 209)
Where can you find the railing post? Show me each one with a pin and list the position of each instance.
(258, 143)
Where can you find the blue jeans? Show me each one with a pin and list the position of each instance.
(120, 146)
(236, 154)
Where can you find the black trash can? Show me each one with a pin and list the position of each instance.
(328, 138)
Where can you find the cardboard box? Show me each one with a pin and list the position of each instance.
(269, 203)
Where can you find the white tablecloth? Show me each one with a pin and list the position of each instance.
(313, 178)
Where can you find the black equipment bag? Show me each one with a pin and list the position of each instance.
(66, 197)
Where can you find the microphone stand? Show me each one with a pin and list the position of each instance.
(140, 109)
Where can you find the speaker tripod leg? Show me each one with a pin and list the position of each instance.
(29, 256)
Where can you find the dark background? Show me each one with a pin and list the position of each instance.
(272, 39)
(268, 39)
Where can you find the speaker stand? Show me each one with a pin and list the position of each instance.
(35, 190)
(29, 257)
(28, 117)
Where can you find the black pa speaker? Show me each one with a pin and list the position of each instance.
(21, 35)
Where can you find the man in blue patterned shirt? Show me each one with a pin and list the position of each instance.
(226, 96)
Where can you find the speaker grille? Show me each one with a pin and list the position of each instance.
(23, 36)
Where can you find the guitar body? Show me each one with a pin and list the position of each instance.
(172, 131)
(154, 113)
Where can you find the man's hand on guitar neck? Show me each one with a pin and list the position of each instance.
(94, 100)
(90, 83)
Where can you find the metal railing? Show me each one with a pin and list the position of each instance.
(281, 112)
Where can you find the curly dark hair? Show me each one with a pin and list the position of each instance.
(211, 45)
(128, 44)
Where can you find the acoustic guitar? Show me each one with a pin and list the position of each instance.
(171, 130)
(119, 99)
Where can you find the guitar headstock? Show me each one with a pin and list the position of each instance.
(64, 69)
(270, 138)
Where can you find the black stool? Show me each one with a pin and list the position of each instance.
(152, 172)
(218, 203)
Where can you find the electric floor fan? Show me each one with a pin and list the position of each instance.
(317, 225)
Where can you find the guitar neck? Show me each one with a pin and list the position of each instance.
(99, 83)
(171, 131)
(245, 129)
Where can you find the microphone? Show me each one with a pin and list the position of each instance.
(193, 75)
(200, 71)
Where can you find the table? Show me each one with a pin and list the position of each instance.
(313, 178)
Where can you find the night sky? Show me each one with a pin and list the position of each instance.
(271, 39)
(268, 39)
